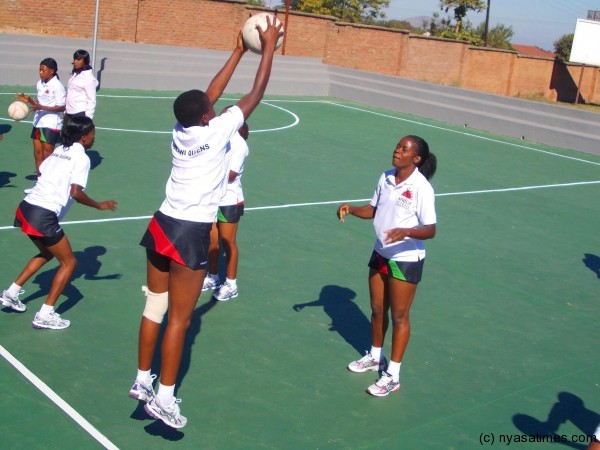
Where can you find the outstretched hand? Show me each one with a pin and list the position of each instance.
(342, 211)
(271, 35)
(108, 204)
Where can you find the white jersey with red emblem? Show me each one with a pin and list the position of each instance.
(409, 204)
(197, 182)
(51, 93)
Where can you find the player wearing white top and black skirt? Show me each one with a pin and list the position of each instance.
(231, 209)
(63, 179)
(177, 237)
(403, 209)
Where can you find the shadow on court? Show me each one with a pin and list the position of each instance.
(88, 267)
(346, 317)
(592, 262)
(570, 408)
(5, 179)
(95, 158)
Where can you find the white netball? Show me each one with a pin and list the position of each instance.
(18, 110)
(250, 33)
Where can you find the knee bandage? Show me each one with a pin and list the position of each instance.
(156, 305)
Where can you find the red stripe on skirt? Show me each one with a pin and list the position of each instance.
(162, 243)
(26, 226)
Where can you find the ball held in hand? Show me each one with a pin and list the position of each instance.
(250, 33)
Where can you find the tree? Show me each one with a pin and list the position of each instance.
(461, 8)
(498, 37)
(354, 11)
(562, 47)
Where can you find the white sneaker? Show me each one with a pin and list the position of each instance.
(142, 391)
(384, 386)
(170, 415)
(367, 363)
(211, 283)
(13, 302)
(52, 322)
(28, 190)
(226, 292)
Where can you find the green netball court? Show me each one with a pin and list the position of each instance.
(504, 327)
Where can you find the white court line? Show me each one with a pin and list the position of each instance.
(464, 133)
(331, 202)
(43, 387)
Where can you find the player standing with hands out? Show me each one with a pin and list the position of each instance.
(63, 179)
(403, 209)
(178, 235)
(48, 107)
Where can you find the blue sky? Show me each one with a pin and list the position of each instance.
(534, 22)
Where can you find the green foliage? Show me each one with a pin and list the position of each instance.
(498, 37)
(467, 35)
(461, 8)
(562, 47)
(256, 2)
(354, 11)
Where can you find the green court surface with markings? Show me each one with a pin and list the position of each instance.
(504, 324)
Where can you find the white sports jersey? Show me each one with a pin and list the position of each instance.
(64, 167)
(81, 93)
(407, 205)
(236, 157)
(51, 93)
(197, 181)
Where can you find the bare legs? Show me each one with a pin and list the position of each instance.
(387, 294)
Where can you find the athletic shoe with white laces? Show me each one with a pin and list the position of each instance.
(170, 415)
(52, 322)
(28, 190)
(226, 292)
(384, 386)
(142, 391)
(13, 302)
(210, 283)
(366, 363)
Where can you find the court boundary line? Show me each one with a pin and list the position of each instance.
(57, 400)
(330, 202)
(341, 105)
(464, 133)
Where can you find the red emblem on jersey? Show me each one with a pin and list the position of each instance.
(407, 194)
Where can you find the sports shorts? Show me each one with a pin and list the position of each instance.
(38, 223)
(182, 241)
(231, 213)
(46, 135)
(409, 271)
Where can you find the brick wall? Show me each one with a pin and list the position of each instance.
(214, 24)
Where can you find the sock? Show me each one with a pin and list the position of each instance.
(376, 353)
(232, 283)
(143, 375)
(394, 370)
(165, 394)
(45, 310)
(14, 290)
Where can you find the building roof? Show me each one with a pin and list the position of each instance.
(531, 50)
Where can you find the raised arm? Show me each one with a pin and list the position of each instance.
(269, 39)
(221, 79)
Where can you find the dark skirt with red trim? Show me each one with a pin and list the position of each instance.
(182, 241)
